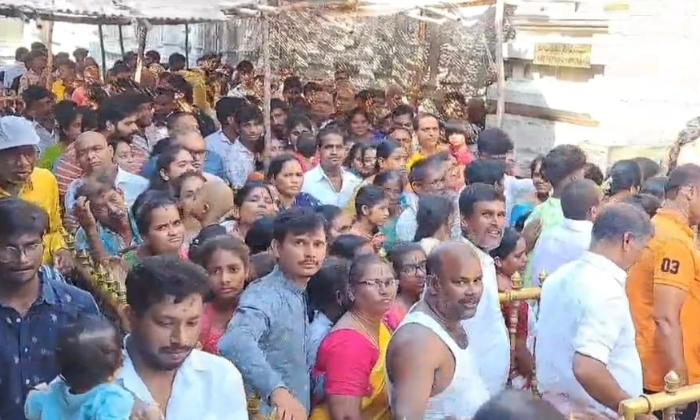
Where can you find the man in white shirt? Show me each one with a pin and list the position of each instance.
(483, 218)
(165, 297)
(587, 359)
(329, 182)
(94, 155)
(559, 245)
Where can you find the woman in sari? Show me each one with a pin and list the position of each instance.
(84, 94)
(286, 174)
(350, 364)
(251, 203)
(159, 223)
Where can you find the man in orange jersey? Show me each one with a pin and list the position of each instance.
(664, 288)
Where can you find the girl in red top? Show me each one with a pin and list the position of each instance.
(456, 135)
(226, 259)
(408, 261)
(510, 257)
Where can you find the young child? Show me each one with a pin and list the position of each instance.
(307, 151)
(123, 154)
(456, 136)
(213, 203)
(89, 357)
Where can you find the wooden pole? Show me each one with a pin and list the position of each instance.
(49, 55)
(121, 40)
(100, 31)
(420, 63)
(141, 35)
(500, 68)
(266, 86)
(187, 45)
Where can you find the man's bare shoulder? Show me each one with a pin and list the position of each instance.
(414, 340)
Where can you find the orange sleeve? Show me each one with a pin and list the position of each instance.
(674, 265)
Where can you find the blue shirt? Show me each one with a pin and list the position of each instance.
(111, 240)
(105, 401)
(213, 164)
(304, 200)
(267, 339)
(27, 343)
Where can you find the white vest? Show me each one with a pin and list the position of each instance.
(490, 345)
(467, 392)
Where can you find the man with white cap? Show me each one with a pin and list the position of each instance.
(19, 177)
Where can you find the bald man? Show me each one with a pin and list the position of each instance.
(95, 155)
(430, 365)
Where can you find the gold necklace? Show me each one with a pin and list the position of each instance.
(374, 338)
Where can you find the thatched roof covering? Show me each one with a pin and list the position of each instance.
(378, 51)
(436, 10)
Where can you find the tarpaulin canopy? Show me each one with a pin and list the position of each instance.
(114, 12)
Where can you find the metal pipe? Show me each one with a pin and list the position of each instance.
(528, 293)
(661, 401)
(513, 319)
(121, 40)
(187, 45)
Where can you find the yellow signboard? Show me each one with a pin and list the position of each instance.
(563, 55)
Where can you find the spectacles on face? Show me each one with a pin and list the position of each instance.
(14, 253)
(196, 153)
(379, 283)
(413, 269)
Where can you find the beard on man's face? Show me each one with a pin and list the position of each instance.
(161, 359)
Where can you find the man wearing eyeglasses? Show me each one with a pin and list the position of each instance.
(35, 302)
(19, 177)
(95, 155)
(206, 162)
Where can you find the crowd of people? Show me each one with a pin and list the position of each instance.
(350, 270)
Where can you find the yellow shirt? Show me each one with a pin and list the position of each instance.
(59, 90)
(42, 190)
(418, 156)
